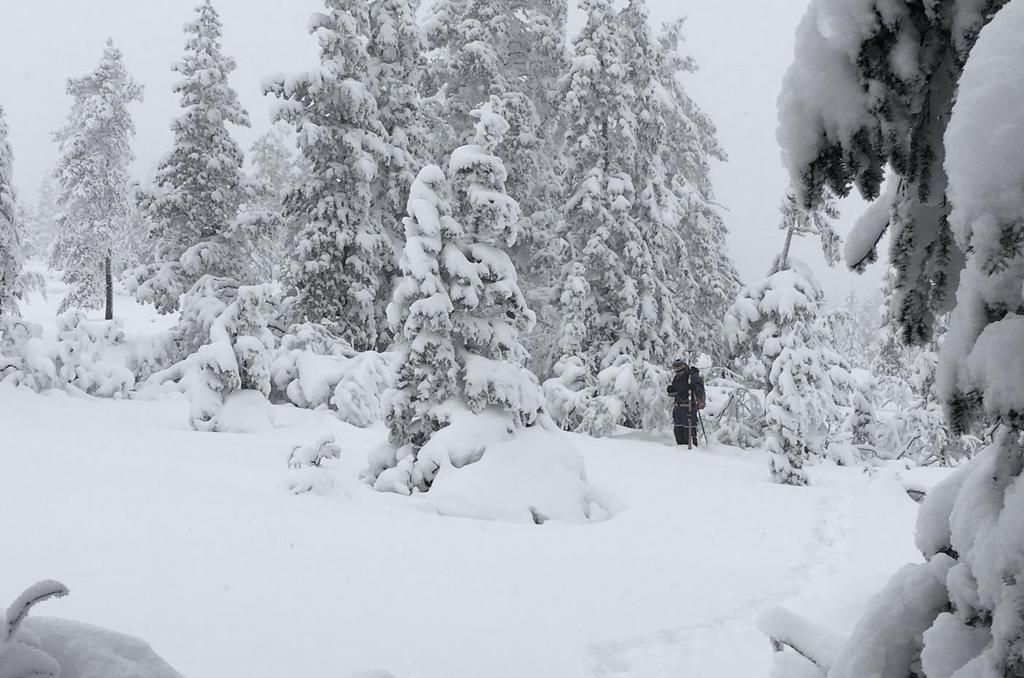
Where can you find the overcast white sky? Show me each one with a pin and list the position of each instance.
(743, 47)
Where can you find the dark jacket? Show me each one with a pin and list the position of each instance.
(677, 389)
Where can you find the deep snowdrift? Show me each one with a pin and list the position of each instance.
(193, 542)
(648, 561)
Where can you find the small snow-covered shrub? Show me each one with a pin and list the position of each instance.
(640, 389)
(305, 464)
(201, 306)
(358, 395)
(576, 406)
(735, 413)
(601, 416)
(245, 411)
(151, 354)
(209, 376)
(462, 442)
(566, 393)
(90, 356)
(229, 329)
(862, 422)
(304, 378)
(315, 338)
(312, 371)
(24, 358)
(83, 347)
(313, 455)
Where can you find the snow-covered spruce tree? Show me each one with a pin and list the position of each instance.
(777, 338)
(959, 613)
(495, 47)
(199, 186)
(343, 259)
(631, 322)
(789, 407)
(273, 173)
(40, 226)
(396, 69)
(689, 147)
(797, 221)
(458, 310)
(11, 252)
(856, 329)
(94, 185)
(273, 163)
(21, 362)
(675, 206)
(514, 49)
(637, 153)
(665, 287)
(863, 421)
(805, 379)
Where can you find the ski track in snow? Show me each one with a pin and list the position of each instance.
(672, 651)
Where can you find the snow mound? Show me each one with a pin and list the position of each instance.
(897, 619)
(86, 651)
(246, 411)
(486, 472)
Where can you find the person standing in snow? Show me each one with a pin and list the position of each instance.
(687, 389)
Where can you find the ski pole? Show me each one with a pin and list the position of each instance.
(702, 429)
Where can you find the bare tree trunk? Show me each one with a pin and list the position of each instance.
(783, 263)
(109, 279)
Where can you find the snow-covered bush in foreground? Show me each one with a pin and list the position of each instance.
(19, 656)
(44, 647)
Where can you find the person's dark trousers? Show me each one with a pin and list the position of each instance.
(684, 422)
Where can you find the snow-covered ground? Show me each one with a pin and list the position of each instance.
(193, 541)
